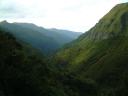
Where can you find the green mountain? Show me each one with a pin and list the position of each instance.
(101, 54)
(23, 74)
(45, 40)
(20, 73)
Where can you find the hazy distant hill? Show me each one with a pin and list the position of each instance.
(68, 34)
(43, 39)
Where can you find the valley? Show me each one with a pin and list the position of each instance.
(36, 61)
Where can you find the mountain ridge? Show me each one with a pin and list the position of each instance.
(100, 54)
(43, 39)
(111, 24)
(94, 43)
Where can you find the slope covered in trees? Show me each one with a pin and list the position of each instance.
(21, 74)
(101, 54)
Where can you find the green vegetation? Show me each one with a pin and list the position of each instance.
(95, 64)
(101, 54)
(24, 73)
(20, 74)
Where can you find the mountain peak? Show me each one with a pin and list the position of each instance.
(112, 24)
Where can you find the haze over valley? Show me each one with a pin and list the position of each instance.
(41, 56)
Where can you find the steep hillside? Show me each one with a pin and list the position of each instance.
(20, 73)
(101, 54)
(108, 28)
(44, 40)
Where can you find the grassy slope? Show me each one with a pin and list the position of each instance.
(88, 44)
(101, 54)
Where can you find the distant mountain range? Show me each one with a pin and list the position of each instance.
(46, 40)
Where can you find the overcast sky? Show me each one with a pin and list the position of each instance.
(76, 15)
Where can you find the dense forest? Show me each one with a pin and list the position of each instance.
(23, 74)
(94, 64)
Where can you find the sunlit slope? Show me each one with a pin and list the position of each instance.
(110, 33)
